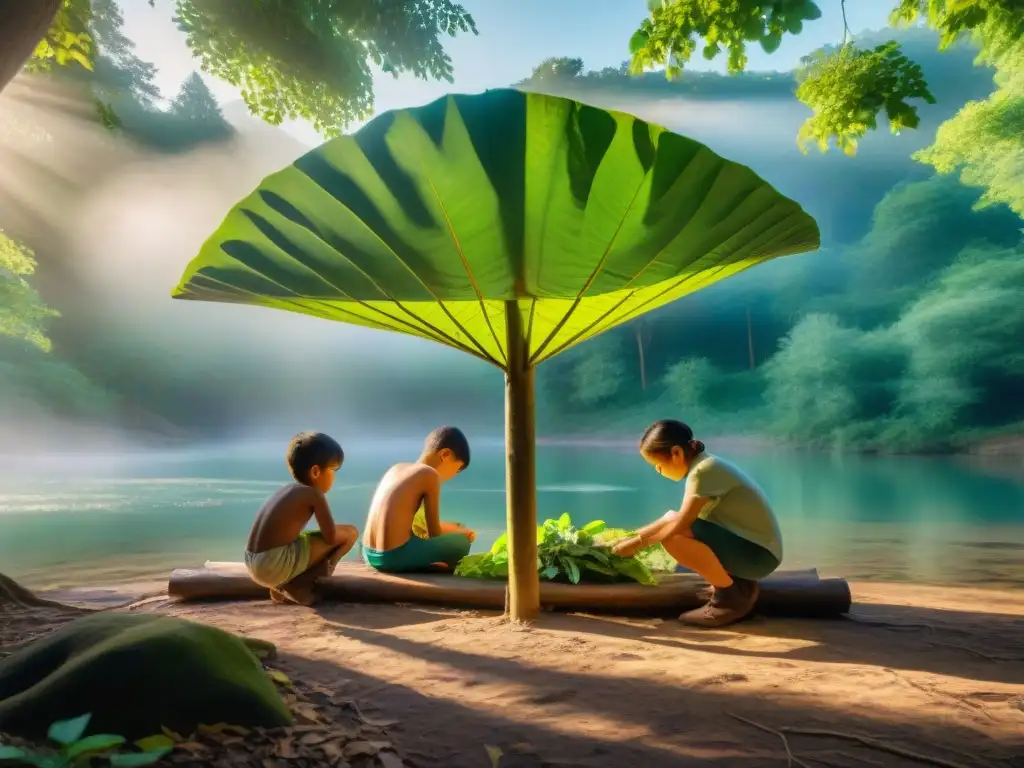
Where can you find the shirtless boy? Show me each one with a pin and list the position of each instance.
(389, 541)
(281, 554)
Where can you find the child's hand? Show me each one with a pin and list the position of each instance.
(626, 547)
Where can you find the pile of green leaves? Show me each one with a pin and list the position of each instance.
(76, 749)
(567, 553)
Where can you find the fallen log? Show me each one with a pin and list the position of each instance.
(796, 594)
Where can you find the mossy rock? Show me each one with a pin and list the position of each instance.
(137, 673)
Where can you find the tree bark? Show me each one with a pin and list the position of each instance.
(520, 472)
(23, 23)
(638, 330)
(750, 342)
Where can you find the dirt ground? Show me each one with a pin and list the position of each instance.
(916, 676)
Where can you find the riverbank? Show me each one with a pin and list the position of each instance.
(927, 671)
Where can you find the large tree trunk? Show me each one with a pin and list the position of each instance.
(520, 473)
(23, 23)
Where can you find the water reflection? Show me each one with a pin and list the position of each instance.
(905, 519)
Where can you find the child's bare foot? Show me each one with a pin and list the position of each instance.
(300, 594)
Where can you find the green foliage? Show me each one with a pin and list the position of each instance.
(564, 553)
(22, 313)
(76, 749)
(292, 59)
(985, 140)
(67, 41)
(848, 88)
(307, 59)
(559, 68)
(598, 376)
(670, 36)
(689, 383)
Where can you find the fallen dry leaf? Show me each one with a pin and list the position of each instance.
(313, 738)
(286, 749)
(225, 728)
(335, 750)
(495, 754)
(175, 737)
(360, 749)
(305, 712)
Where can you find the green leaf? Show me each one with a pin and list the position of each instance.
(435, 221)
(638, 41)
(771, 42)
(11, 753)
(601, 568)
(154, 743)
(100, 742)
(549, 573)
(564, 522)
(66, 732)
(500, 544)
(571, 569)
(594, 527)
(132, 759)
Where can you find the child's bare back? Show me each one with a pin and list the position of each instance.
(284, 516)
(390, 541)
(395, 503)
(280, 554)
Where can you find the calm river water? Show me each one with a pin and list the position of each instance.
(75, 521)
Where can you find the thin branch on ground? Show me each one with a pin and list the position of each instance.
(867, 741)
(790, 757)
(891, 624)
(979, 654)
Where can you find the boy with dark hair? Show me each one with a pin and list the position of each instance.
(280, 554)
(391, 542)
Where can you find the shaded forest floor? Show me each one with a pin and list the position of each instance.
(917, 676)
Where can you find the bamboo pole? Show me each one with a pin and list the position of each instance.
(520, 472)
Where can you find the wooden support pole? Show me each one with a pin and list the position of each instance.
(520, 472)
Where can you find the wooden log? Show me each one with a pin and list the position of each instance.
(785, 593)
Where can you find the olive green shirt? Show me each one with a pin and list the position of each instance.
(737, 504)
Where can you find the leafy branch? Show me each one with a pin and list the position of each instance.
(847, 88)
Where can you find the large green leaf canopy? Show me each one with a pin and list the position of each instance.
(428, 220)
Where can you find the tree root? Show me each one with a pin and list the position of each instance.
(865, 741)
(791, 759)
(979, 654)
(892, 624)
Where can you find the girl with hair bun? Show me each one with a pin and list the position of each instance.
(725, 529)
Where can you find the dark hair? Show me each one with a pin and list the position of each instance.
(312, 449)
(662, 436)
(450, 438)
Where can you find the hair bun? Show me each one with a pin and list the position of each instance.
(698, 446)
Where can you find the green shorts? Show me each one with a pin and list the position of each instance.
(418, 555)
(740, 557)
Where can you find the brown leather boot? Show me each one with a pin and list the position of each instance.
(726, 606)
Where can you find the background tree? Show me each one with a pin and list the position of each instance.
(195, 102)
(848, 87)
(23, 314)
(302, 59)
(557, 68)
